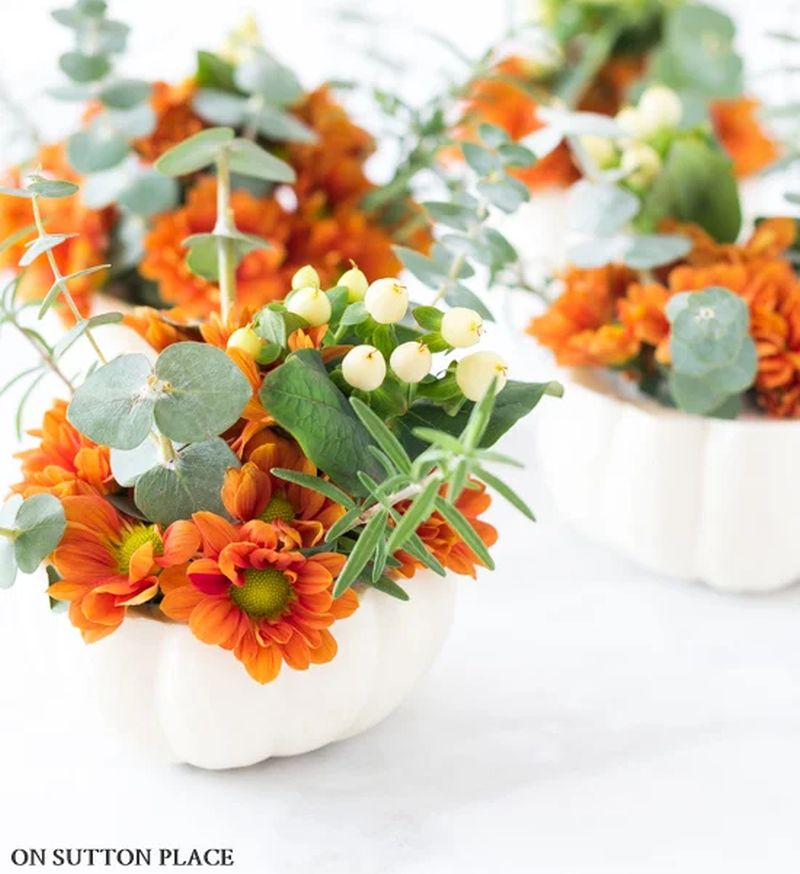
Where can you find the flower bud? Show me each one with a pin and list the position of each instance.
(386, 301)
(306, 277)
(411, 361)
(461, 327)
(600, 149)
(632, 123)
(364, 367)
(475, 372)
(310, 304)
(247, 341)
(355, 282)
(641, 164)
(660, 108)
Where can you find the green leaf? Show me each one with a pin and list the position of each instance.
(127, 465)
(304, 401)
(16, 192)
(505, 491)
(93, 150)
(382, 435)
(492, 135)
(452, 215)
(8, 242)
(648, 251)
(41, 245)
(483, 161)
(516, 155)
(250, 159)
(275, 324)
(55, 289)
(8, 562)
(51, 188)
(114, 406)
(424, 268)
(429, 318)
(84, 68)
(190, 484)
(465, 531)
(194, 154)
(458, 295)
(417, 513)
(204, 392)
(138, 121)
(260, 74)
(696, 185)
(355, 314)
(79, 329)
(125, 93)
(315, 483)
(343, 524)
(149, 194)
(274, 124)
(214, 72)
(600, 209)
(507, 194)
(221, 107)
(386, 585)
(40, 524)
(365, 547)
(597, 253)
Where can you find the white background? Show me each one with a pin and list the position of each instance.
(586, 716)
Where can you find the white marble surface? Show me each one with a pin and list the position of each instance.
(585, 717)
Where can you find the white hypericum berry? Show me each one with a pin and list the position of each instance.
(461, 327)
(247, 341)
(364, 367)
(660, 108)
(306, 277)
(311, 304)
(386, 301)
(600, 149)
(632, 123)
(641, 164)
(411, 361)
(355, 282)
(475, 372)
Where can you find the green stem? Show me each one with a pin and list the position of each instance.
(166, 447)
(44, 354)
(460, 259)
(225, 226)
(61, 282)
(405, 494)
(9, 532)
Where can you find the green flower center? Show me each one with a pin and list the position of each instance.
(279, 507)
(264, 595)
(136, 537)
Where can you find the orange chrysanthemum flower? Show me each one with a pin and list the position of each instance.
(176, 121)
(577, 326)
(67, 215)
(643, 313)
(109, 563)
(254, 594)
(65, 462)
(161, 328)
(737, 128)
(444, 542)
(253, 492)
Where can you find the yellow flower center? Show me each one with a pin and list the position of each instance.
(136, 537)
(279, 507)
(264, 595)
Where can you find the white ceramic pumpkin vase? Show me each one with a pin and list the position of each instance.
(177, 699)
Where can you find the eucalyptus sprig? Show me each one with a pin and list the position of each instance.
(29, 531)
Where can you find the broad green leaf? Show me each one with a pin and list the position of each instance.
(492, 135)
(194, 154)
(54, 188)
(458, 295)
(429, 318)
(114, 406)
(41, 245)
(40, 522)
(249, 159)
(8, 563)
(203, 394)
(190, 484)
(365, 548)
(355, 314)
(262, 75)
(483, 161)
(304, 401)
(452, 215)
(138, 121)
(694, 394)
(516, 155)
(275, 325)
(599, 209)
(280, 126)
(214, 72)
(597, 253)
(424, 268)
(84, 68)
(315, 483)
(149, 193)
(507, 194)
(647, 251)
(93, 150)
(221, 107)
(125, 93)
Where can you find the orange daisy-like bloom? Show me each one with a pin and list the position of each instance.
(643, 313)
(444, 542)
(65, 462)
(66, 215)
(577, 326)
(737, 128)
(176, 121)
(253, 492)
(255, 594)
(503, 101)
(109, 563)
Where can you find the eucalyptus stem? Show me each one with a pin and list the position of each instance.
(9, 532)
(460, 259)
(225, 226)
(165, 446)
(62, 283)
(44, 354)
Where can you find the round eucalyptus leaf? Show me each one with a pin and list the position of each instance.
(694, 395)
(40, 522)
(138, 121)
(263, 75)
(93, 150)
(188, 485)
(84, 68)
(654, 250)
(125, 93)
(600, 210)
(204, 392)
(220, 107)
(127, 465)
(149, 193)
(114, 407)
(194, 154)
(250, 159)
(203, 259)
(507, 194)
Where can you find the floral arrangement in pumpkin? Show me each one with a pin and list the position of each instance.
(598, 57)
(257, 468)
(128, 214)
